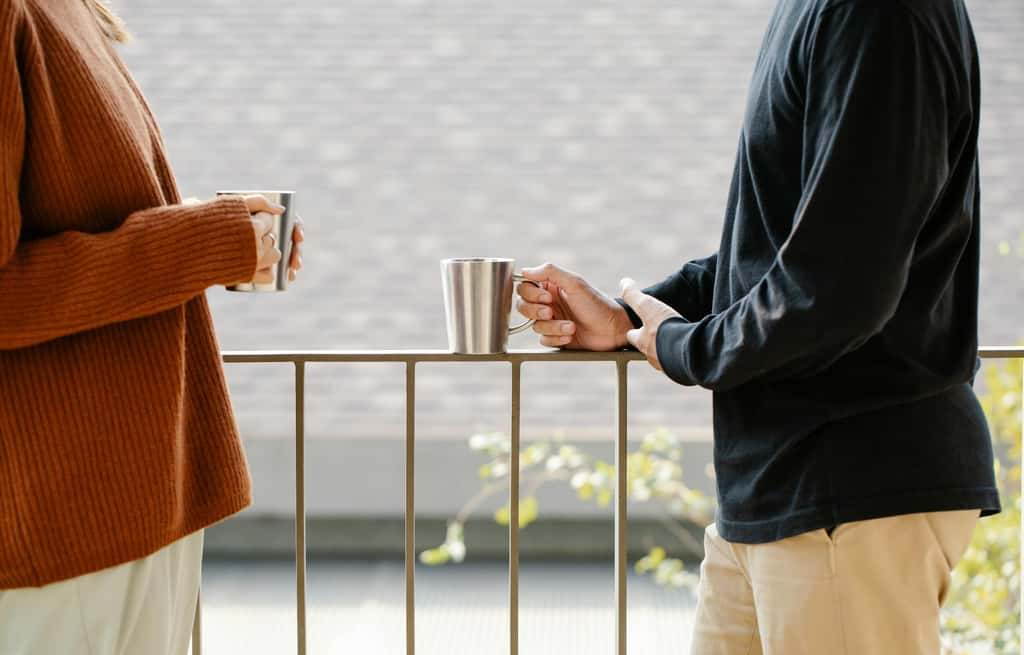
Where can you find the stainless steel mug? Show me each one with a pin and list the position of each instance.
(477, 303)
(282, 230)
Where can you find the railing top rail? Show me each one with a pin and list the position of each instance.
(537, 355)
(400, 356)
(1001, 352)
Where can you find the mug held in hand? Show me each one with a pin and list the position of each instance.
(281, 229)
(477, 302)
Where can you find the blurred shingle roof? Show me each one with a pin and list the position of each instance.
(595, 134)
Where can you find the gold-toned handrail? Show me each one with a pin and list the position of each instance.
(424, 356)
(622, 358)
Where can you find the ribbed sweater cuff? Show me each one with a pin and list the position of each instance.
(228, 252)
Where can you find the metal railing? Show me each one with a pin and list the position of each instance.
(516, 359)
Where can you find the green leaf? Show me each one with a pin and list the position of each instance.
(435, 556)
(651, 561)
(528, 512)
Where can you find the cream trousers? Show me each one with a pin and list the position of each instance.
(145, 607)
(870, 588)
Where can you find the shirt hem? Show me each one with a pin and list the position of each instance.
(846, 511)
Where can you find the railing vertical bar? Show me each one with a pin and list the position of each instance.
(300, 506)
(1020, 564)
(410, 508)
(197, 626)
(621, 494)
(513, 522)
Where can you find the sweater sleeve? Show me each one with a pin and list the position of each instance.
(73, 281)
(876, 161)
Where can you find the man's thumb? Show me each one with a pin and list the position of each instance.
(628, 291)
(551, 273)
(633, 337)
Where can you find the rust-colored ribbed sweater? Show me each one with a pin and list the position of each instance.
(116, 433)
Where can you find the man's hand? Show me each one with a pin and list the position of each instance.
(570, 313)
(652, 312)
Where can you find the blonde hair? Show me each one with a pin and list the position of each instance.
(108, 20)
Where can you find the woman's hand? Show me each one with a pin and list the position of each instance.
(298, 236)
(267, 252)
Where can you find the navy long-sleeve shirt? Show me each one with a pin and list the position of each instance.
(837, 323)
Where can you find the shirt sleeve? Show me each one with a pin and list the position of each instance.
(689, 290)
(73, 281)
(875, 162)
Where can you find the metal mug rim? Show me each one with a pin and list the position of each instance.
(477, 260)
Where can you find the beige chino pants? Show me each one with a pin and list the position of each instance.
(870, 588)
(145, 607)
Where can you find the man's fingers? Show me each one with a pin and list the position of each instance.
(551, 273)
(630, 292)
(533, 310)
(554, 328)
(533, 294)
(555, 342)
(633, 337)
(646, 307)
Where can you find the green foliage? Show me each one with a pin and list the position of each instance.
(666, 570)
(527, 513)
(452, 550)
(653, 474)
(1007, 249)
(982, 614)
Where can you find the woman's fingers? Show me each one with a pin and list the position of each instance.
(263, 221)
(298, 236)
(269, 252)
(258, 204)
(263, 276)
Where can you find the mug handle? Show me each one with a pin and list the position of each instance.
(525, 325)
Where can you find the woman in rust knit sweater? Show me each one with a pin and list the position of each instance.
(117, 440)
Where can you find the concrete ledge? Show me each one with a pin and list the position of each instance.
(247, 537)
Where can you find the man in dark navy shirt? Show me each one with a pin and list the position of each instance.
(837, 326)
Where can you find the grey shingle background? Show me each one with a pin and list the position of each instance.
(414, 130)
